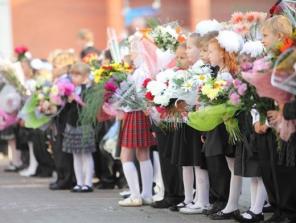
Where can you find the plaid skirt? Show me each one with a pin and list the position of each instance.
(79, 139)
(136, 131)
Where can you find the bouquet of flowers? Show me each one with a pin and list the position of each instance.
(219, 102)
(46, 102)
(247, 24)
(167, 37)
(10, 93)
(107, 79)
(174, 89)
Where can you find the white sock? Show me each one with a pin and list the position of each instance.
(188, 181)
(260, 197)
(33, 164)
(203, 186)
(254, 186)
(14, 154)
(78, 168)
(235, 188)
(157, 177)
(88, 166)
(131, 175)
(147, 178)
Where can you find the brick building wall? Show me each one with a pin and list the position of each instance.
(44, 25)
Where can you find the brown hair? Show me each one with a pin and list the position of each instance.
(279, 24)
(230, 59)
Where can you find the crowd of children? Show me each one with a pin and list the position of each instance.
(181, 167)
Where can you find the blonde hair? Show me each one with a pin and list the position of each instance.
(86, 34)
(279, 24)
(80, 68)
(229, 59)
(204, 40)
(64, 58)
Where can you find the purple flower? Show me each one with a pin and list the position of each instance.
(246, 66)
(236, 83)
(234, 98)
(242, 89)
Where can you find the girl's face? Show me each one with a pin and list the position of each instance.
(204, 54)
(215, 55)
(192, 51)
(181, 58)
(269, 38)
(78, 78)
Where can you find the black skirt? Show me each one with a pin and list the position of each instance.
(287, 152)
(8, 133)
(246, 158)
(165, 141)
(187, 147)
(216, 142)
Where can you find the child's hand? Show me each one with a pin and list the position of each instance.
(259, 128)
(273, 116)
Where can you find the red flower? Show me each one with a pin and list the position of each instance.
(149, 96)
(107, 67)
(288, 42)
(146, 81)
(21, 50)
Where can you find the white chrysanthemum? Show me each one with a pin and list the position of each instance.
(206, 26)
(171, 31)
(165, 75)
(253, 48)
(231, 41)
(161, 100)
(156, 87)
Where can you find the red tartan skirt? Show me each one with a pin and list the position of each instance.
(136, 131)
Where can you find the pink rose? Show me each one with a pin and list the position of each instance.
(235, 98)
(242, 89)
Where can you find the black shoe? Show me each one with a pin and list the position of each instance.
(268, 209)
(161, 204)
(177, 207)
(223, 216)
(277, 218)
(56, 186)
(77, 189)
(105, 186)
(218, 206)
(254, 217)
(86, 189)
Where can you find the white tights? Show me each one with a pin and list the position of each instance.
(83, 168)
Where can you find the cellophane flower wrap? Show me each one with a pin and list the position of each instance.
(10, 93)
(219, 101)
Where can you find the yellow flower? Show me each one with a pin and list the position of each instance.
(202, 77)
